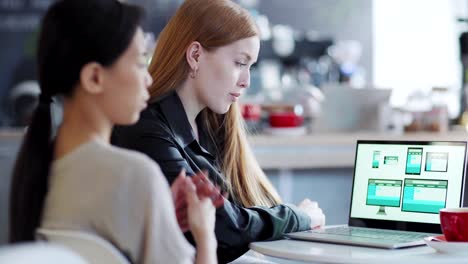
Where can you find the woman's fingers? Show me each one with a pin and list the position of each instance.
(205, 188)
(191, 193)
(315, 213)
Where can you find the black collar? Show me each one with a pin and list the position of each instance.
(174, 111)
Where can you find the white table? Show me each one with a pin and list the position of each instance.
(293, 251)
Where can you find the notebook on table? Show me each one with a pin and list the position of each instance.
(398, 189)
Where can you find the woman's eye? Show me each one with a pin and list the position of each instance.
(240, 64)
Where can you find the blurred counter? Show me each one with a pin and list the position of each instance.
(10, 140)
(325, 150)
(298, 166)
(10, 133)
(294, 152)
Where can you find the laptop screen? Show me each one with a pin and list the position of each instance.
(406, 182)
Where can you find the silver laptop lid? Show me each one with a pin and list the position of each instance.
(402, 185)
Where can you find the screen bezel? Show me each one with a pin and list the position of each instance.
(402, 225)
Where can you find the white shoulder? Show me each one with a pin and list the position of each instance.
(140, 167)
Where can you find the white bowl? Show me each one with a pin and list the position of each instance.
(445, 247)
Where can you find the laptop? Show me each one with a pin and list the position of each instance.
(398, 189)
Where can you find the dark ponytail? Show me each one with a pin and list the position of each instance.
(29, 184)
(73, 33)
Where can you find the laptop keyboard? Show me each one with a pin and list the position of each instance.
(393, 235)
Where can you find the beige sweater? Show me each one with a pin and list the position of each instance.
(120, 195)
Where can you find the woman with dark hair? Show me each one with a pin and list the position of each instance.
(92, 53)
(201, 66)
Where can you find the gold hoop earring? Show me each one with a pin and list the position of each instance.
(193, 73)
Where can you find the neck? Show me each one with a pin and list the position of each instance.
(82, 122)
(191, 103)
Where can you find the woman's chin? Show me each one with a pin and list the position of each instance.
(225, 109)
(128, 121)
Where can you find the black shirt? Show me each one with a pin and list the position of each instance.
(165, 135)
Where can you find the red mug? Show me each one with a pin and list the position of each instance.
(454, 224)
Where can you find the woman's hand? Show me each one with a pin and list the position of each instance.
(178, 190)
(204, 188)
(201, 219)
(201, 214)
(311, 208)
(207, 189)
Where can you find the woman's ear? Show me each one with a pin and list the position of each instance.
(193, 53)
(91, 78)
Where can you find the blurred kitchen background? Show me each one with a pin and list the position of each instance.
(329, 72)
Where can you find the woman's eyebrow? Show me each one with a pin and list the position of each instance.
(246, 55)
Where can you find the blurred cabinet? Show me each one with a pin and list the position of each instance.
(9, 145)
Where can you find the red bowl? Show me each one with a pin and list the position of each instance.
(285, 119)
(251, 112)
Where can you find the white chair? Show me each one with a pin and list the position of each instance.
(91, 247)
(38, 253)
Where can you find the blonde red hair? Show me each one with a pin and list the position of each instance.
(213, 23)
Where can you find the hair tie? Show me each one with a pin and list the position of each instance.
(45, 98)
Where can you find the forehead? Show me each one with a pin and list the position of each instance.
(135, 49)
(138, 41)
(137, 44)
(247, 46)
